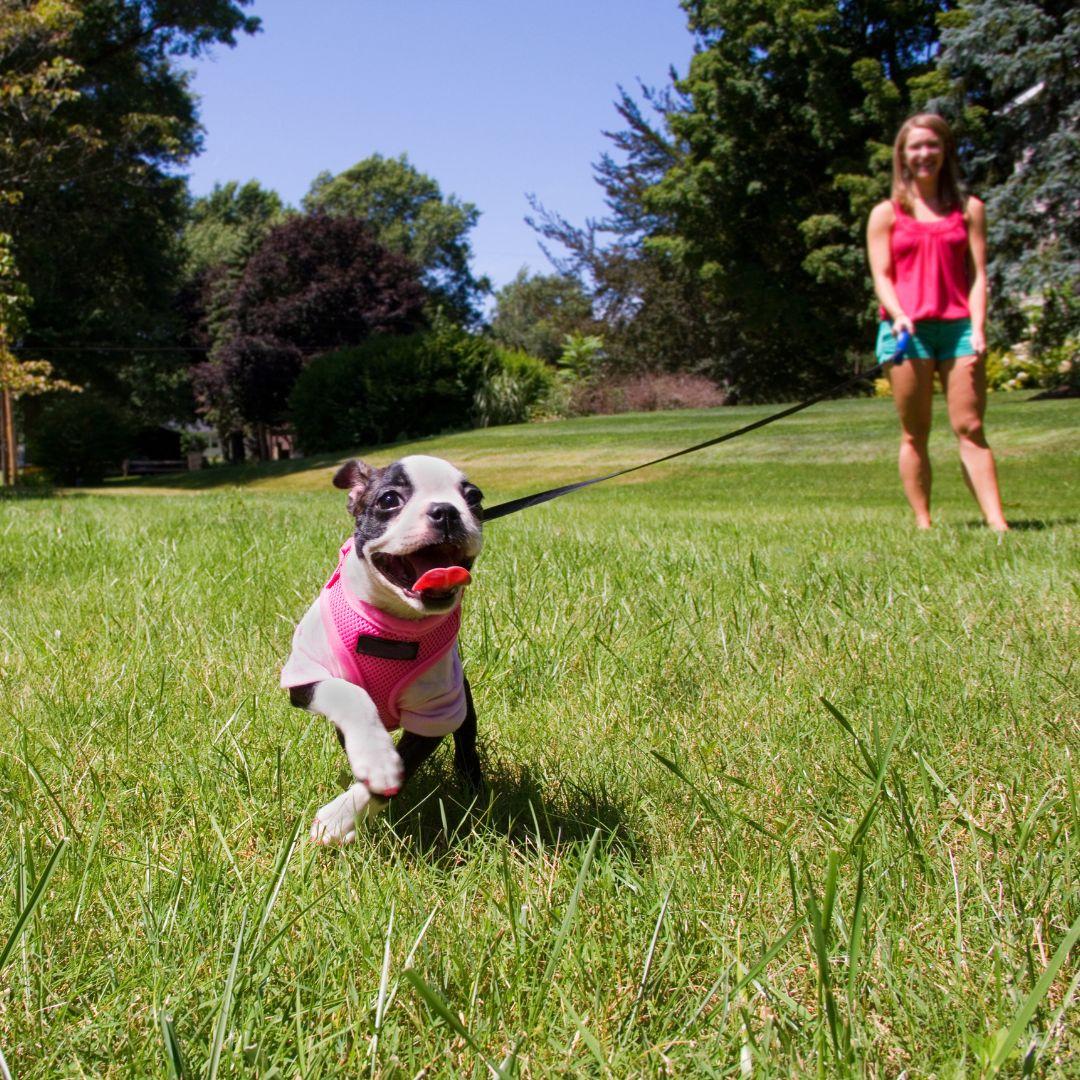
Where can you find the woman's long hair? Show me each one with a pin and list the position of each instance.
(949, 191)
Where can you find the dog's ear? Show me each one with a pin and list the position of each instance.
(354, 477)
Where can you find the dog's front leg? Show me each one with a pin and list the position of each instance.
(368, 746)
(336, 822)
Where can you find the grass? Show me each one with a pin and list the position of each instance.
(778, 785)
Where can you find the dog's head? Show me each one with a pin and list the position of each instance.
(417, 515)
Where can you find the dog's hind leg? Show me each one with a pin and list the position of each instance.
(414, 750)
(466, 759)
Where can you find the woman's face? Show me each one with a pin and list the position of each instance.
(923, 153)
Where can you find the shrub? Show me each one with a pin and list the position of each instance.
(78, 439)
(1049, 355)
(389, 388)
(883, 388)
(513, 388)
(644, 392)
(582, 354)
(1021, 369)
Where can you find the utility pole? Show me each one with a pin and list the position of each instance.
(7, 418)
(7, 421)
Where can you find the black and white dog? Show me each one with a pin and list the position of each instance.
(377, 650)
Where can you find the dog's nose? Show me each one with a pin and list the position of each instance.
(444, 514)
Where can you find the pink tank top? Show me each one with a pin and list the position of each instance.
(929, 266)
(384, 653)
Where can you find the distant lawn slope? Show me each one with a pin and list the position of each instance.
(853, 438)
(778, 786)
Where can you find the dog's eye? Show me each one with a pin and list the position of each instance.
(388, 500)
(474, 496)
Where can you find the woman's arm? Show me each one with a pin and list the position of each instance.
(976, 223)
(880, 256)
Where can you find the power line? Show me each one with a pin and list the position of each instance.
(147, 348)
(110, 348)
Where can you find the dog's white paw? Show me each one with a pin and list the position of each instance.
(335, 824)
(375, 762)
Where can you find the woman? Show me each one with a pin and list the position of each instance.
(927, 250)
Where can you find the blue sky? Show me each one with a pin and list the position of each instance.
(495, 99)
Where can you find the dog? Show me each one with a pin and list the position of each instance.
(377, 650)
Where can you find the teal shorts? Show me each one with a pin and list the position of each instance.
(934, 339)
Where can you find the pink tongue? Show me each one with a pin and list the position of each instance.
(441, 579)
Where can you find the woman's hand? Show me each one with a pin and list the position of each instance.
(902, 323)
(978, 342)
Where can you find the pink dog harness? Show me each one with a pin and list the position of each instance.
(383, 653)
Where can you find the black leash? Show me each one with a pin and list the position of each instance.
(514, 505)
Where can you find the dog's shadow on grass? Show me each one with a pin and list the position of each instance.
(438, 813)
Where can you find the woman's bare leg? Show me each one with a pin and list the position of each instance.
(964, 381)
(913, 389)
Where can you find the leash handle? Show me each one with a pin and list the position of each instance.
(902, 342)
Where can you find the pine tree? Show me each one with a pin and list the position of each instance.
(1008, 75)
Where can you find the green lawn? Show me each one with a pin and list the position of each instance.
(778, 785)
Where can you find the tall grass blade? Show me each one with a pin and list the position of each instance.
(591, 1042)
(872, 807)
(55, 801)
(279, 877)
(225, 727)
(508, 1063)
(420, 938)
(855, 935)
(648, 961)
(954, 802)
(384, 978)
(89, 861)
(1063, 1008)
(226, 1004)
(564, 930)
(819, 917)
(174, 1059)
(35, 899)
(438, 1005)
(708, 804)
(846, 724)
(1038, 992)
(225, 847)
(751, 974)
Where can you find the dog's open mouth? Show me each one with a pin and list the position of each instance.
(432, 572)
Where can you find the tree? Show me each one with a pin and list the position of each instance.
(656, 313)
(18, 377)
(740, 201)
(96, 227)
(1007, 74)
(536, 313)
(319, 282)
(258, 375)
(226, 227)
(409, 215)
(36, 79)
(316, 283)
